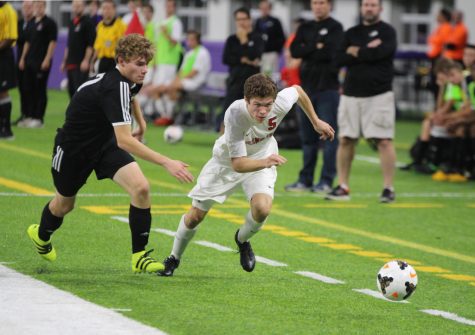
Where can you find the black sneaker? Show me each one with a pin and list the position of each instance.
(171, 263)
(6, 135)
(338, 193)
(387, 196)
(248, 260)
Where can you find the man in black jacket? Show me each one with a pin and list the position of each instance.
(316, 42)
(78, 53)
(367, 105)
(272, 33)
(242, 53)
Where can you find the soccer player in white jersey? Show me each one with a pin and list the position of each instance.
(245, 155)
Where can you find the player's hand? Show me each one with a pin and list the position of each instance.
(275, 160)
(84, 67)
(139, 132)
(179, 170)
(325, 130)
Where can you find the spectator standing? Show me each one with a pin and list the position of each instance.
(8, 36)
(79, 50)
(168, 56)
(24, 24)
(317, 42)
(367, 105)
(242, 54)
(457, 39)
(273, 35)
(36, 61)
(109, 31)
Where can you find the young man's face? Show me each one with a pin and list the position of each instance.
(108, 11)
(259, 108)
(468, 57)
(134, 69)
(455, 76)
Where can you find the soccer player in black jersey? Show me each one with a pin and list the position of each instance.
(97, 136)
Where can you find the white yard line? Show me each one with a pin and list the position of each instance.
(319, 277)
(449, 316)
(377, 295)
(269, 262)
(30, 306)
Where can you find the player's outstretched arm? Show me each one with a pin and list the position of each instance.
(324, 129)
(245, 164)
(127, 142)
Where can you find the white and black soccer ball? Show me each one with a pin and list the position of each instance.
(173, 134)
(397, 280)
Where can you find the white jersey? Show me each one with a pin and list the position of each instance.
(245, 137)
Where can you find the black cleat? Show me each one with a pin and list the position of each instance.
(387, 196)
(171, 263)
(248, 260)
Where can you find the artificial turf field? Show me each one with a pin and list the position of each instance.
(431, 225)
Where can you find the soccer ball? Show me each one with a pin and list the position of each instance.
(397, 280)
(173, 134)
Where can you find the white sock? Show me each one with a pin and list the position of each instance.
(183, 236)
(169, 105)
(249, 228)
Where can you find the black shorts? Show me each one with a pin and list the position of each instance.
(7, 70)
(70, 168)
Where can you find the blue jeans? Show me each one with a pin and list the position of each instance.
(326, 106)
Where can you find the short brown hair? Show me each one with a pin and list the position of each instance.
(259, 86)
(133, 46)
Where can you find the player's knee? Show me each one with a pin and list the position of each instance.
(142, 191)
(346, 141)
(261, 211)
(194, 217)
(383, 143)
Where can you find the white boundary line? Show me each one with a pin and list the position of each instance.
(449, 316)
(319, 277)
(30, 306)
(377, 295)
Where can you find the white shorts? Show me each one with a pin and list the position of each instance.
(371, 117)
(217, 182)
(191, 84)
(163, 74)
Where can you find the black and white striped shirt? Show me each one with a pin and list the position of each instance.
(97, 106)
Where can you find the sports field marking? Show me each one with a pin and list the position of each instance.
(450, 316)
(374, 160)
(121, 309)
(377, 295)
(319, 277)
(30, 306)
(269, 262)
(25, 151)
(19, 186)
(215, 246)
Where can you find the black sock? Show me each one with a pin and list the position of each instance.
(49, 223)
(140, 221)
(5, 113)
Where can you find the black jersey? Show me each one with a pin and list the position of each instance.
(39, 37)
(81, 35)
(97, 106)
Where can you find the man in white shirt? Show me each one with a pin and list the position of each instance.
(193, 73)
(245, 155)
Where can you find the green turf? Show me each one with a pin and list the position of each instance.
(210, 293)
